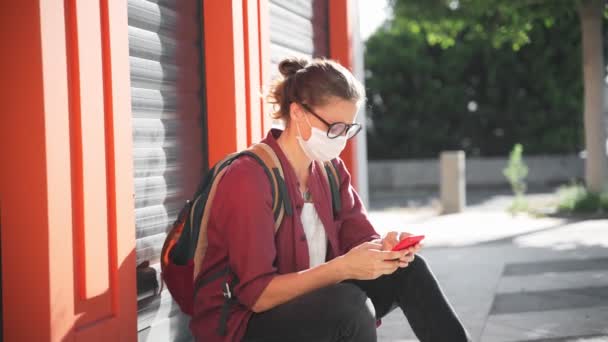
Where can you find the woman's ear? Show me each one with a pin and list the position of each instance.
(295, 112)
(298, 116)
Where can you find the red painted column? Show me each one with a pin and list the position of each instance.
(252, 72)
(264, 51)
(23, 205)
(68, 242)
(225, 78)
(341, 50)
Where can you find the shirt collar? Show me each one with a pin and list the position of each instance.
(316, 185)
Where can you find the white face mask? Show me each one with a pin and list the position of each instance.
(320, 147)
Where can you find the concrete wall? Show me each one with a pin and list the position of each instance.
(420, 173)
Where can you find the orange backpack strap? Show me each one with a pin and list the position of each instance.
(201, 244)
(271, 165)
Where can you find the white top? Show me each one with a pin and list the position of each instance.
(315, 234)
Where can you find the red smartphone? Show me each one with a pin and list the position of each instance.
(408, 242)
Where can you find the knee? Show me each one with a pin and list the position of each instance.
(356, 318)
(352, 311)
(418, 264)
(346, 298)
(345, 294)
(359, 324)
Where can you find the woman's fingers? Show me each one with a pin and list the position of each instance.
(391, 255)
(403, 235)
(410, 255)
(390, 241)
(372, 246)
(389, 266)
(407, 258)
(390, 263)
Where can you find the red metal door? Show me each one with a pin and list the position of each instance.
(68, 241)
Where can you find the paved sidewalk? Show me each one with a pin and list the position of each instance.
(511, 278)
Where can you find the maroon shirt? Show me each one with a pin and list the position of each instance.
(241, 235)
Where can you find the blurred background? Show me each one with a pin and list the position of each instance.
(486, 131)
(481, 77)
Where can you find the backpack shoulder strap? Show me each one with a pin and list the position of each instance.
(333, 179)
(281, 206)
(268, 159)
(271, 165)
(202, 204)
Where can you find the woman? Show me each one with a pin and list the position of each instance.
(312, 280)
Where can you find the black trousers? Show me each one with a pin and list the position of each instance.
(342, 312)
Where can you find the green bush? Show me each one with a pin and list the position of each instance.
(575, 198)
(516, 173)
(471, 94)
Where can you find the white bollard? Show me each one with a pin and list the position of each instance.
(452, 181)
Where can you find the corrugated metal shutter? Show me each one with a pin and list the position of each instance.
(297, 28)
(291, 31)
(153, 93)
(165, 60)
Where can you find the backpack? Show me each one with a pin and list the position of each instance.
(186, 242)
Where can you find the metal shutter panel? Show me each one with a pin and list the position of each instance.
(297, 28)
(291, 31)
(166, 90)
(153, 93)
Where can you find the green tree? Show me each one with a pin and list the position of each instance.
(480, 75)
(499, 22)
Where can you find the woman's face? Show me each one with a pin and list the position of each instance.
(335, 110)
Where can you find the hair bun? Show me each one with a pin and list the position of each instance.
(289, 66)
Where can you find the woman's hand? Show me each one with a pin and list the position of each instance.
(392, 239)
(369, 261)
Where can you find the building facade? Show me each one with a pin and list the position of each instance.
(113, 112)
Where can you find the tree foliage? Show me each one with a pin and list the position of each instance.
(478, 75)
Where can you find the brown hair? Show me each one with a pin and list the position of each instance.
(312, 82)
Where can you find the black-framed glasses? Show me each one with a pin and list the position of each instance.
(336, 129)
